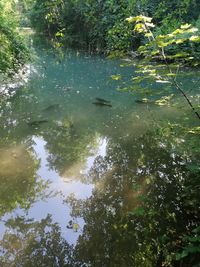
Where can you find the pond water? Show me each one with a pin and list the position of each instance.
(75, 173)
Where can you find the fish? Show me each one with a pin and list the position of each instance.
(51, 107)
(102, 100)
(102, 104)
(36, 123)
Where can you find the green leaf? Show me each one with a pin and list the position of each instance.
(195, 38)
(140, 27)
(185, 26)
(139, 18)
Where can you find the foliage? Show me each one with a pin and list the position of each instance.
(81, 23)
(13, 51)
(164, 48)
(100, 25)
(120, 38)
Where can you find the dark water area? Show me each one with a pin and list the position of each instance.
(83, 183)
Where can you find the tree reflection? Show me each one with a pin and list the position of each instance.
(140, 209)
(34, 243)
(144, 204)
(19, 182)
(68, 147)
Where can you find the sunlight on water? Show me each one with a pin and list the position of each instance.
(14, 161)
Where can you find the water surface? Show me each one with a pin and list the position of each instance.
(73, 174)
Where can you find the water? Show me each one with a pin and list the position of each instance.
(75, 177)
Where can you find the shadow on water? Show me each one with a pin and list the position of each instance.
(83, 185)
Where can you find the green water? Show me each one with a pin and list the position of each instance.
(74, 175)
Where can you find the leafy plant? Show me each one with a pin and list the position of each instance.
(13, 50)
(161, 47)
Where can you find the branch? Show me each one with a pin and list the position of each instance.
(174, 82)
(177, 86)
